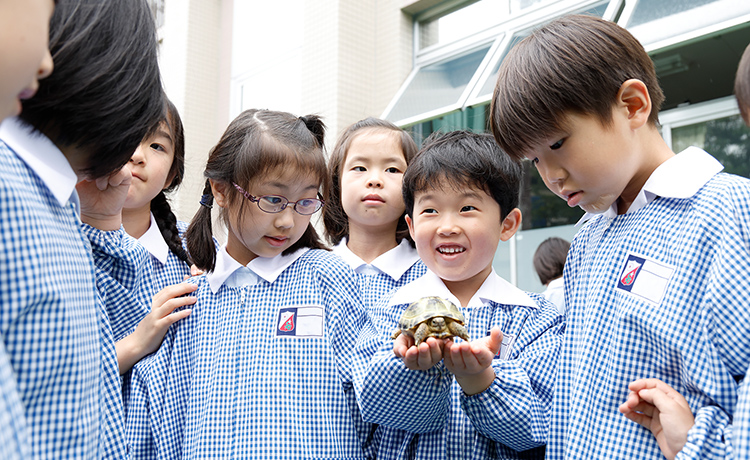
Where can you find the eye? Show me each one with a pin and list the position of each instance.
(429, 211)
(157, 147)
(535, 161)
(359, 169)
(273, 199)
(557, 144)
(393, 170)
(468, 208)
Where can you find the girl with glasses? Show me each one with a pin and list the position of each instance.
(262, 367)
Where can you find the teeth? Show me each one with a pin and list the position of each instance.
(451, 250)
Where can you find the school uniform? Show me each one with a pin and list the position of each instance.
(262, 367)
(658, 292)
(509, 416)
(166, 267)
(741, 425)
(555, 293)
(54, 323)
(390, 270)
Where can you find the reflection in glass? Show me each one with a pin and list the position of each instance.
(727, 139)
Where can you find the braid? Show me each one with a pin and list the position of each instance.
(167, 223)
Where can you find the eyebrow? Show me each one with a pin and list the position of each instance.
(281, 186)
(365, 159)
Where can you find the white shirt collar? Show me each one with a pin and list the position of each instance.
(393, 263)
(679, 177)
(493, 289)
(42, 156)
(230, 272)
(154, 242)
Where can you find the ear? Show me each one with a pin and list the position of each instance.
(634, 99)
(410, 224)
(511, 224)
(219, 190)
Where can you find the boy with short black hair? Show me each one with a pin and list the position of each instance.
(656, 283)
(62, 306)
(461, 195)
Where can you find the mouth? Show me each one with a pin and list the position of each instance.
(573, 198)
(28, 93)
(373, 198)
(277, 241)
(450, 250)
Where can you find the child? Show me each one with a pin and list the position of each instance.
(24, 48)
(549, 261)
(157, 166)
(461, 196)
(657, 406)
(654, 286)
(262, 367)
(54, 325)
(364, 211)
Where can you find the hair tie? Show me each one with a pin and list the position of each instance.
(207, 200)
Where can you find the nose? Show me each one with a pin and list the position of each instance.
(552, 174)
(46, 66)
(447, 226)
(375, 180)
(138, 157)
(285, 218)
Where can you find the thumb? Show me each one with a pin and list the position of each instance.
(495, 340)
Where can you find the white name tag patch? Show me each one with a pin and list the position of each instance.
(304, 321)
(645, 278)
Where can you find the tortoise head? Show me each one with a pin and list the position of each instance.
(437, 323)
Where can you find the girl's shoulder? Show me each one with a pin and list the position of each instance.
(327, 263)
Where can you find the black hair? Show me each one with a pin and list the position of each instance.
(105, 91)
(549, 259)
(160, 208)
(334, 217)
(256, 143)
(462, 158)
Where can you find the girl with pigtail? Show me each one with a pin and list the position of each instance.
(258, 368)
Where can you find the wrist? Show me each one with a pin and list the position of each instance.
(103, 222)
(476, 383)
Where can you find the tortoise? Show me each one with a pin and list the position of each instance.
(432, 317)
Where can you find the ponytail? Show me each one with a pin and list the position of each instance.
(316, 126)
(167, 223)
(199, 235)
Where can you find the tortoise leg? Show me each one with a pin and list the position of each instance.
(396, 334)
(458, 330)
(420, 334)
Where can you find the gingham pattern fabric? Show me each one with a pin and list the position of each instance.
(741, 427)
(511, 415)
(696, 338)
(234, 381)
(377, 285)
(14, 439)
(52, 323)
(172, 272)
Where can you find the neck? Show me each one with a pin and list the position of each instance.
(136, 221)
(653, 153)
(464, 290)
(369, 243)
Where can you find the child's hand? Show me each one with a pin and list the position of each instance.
(659, 408)
(420, 358)
(470, 362)
(102, 199)
(149, 333)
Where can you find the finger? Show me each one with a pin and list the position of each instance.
(102, 182)
(663, 401)
(173, 318)
(642, 384)
(172, 304)
(172, 291)
(121, 177)
(494, 340)
(641, 419)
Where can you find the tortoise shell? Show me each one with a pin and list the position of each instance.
(426, 308)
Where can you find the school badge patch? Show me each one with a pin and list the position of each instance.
(305, 321)
(645, 278)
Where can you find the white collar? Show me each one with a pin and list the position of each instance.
(42, 156)
(556, 283)
(679, 177)
(493, 289)
(230, 272)
(154, 242)
(393, 263)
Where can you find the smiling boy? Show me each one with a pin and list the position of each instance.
(461, 195)
(656, 281)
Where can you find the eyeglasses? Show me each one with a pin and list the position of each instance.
(277, 203)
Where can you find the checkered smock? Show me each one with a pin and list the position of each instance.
(741, 427)
(511, 415)
(54, 325)
(14, 439)
(375, 286)
(681, 316)
(172, 272)
(258, 370)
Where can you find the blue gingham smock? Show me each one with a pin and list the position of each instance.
(660, 291)
(512, 414)
(389, 271)
(262, 367)
(53, 322)
(166, 267)
(741, 426)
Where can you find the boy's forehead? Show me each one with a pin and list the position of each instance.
(448, 187)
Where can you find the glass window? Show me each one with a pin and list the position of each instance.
(488, 86)
(462, 22)
(727, 139)
(437, 86)
(654, 21)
